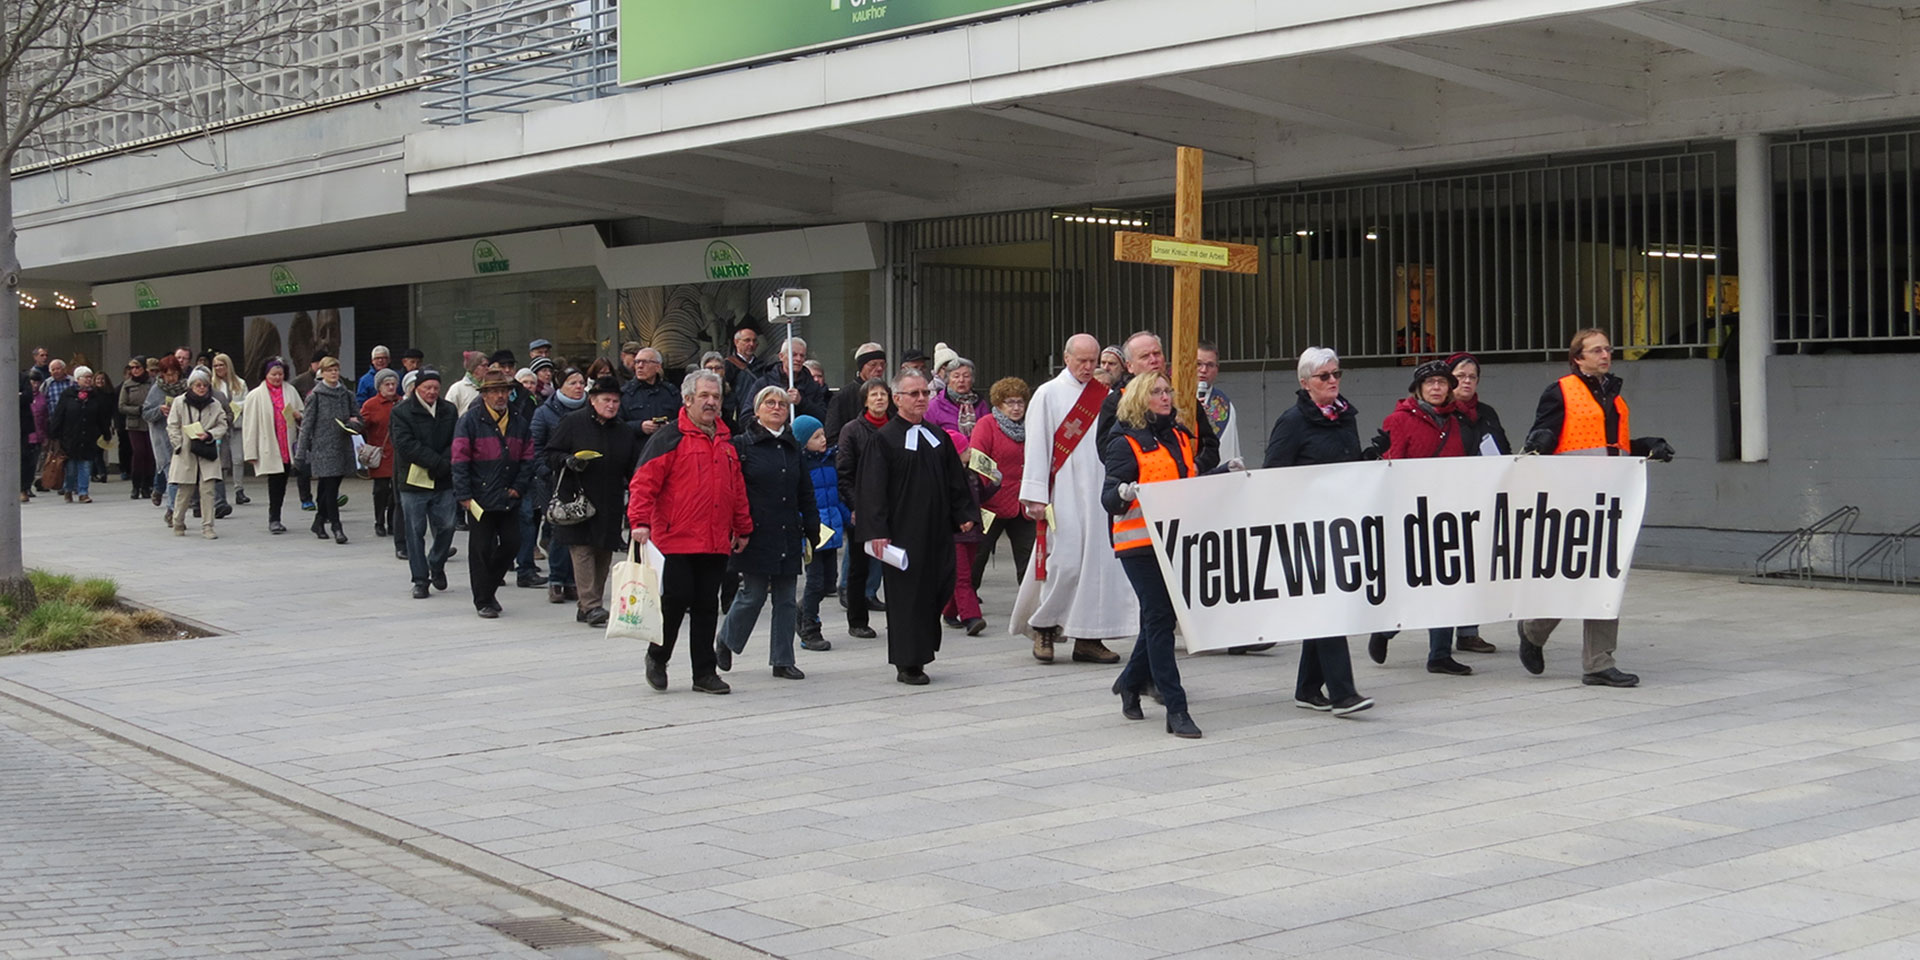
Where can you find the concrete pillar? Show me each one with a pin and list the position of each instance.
(193, 329)
(1754, 193)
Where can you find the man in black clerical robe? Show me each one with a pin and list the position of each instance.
(912, 494)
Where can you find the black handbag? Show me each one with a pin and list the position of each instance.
(204, 448)
(568, 511)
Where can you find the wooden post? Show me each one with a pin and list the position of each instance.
(1186, 288)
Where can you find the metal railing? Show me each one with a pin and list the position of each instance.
(521, 55)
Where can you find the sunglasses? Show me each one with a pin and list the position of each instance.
(916, 393)
(1329, 375)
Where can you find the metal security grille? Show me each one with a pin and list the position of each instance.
(1002, 311)
(1503, 263)
(1844, 225)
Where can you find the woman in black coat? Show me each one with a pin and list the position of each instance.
(861, 578)
(1321, 427)
(1489, 438)
(83, 416)
(785, 517)
(590, 544)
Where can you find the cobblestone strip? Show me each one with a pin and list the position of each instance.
(112, 851)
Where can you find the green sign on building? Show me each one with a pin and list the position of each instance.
(284, 281)
(725, 262)
(144, 298)
(487, 258)
(668, 38)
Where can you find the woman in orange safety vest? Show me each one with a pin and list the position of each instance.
(1148, 445)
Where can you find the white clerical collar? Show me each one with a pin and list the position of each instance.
(918, 430)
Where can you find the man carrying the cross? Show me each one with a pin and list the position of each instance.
(1075, 587)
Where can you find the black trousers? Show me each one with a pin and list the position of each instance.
(690, 590)
(492, 541)
(329, 503)
(858, 563)
(29, 463)
(1019, 532)
(306, 485)
(276, 494)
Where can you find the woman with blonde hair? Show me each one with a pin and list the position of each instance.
(233, 459)
(1149, 445)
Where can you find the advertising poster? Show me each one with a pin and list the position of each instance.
(297, 336)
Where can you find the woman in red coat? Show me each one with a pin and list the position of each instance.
(375, 415)
(1426, 424)
(1002, 435)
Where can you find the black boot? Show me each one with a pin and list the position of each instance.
(339, 535)
(1181, 725)
(319, 528)
(1129, 702)
(379, 530)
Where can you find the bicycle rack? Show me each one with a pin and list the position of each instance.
(1798, 548)
(1890, 552)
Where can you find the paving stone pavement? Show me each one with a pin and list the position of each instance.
(1754, 798)
(111, 851)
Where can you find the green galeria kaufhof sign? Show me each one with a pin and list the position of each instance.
(284, 282)
(725, 262)
(669, 38)
(487, 258)
(144, 298)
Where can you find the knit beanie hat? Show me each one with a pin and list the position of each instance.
(384, 375)
(804, 427)
(943, 355)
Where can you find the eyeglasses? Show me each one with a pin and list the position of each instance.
(916, 393)
(1328, 376)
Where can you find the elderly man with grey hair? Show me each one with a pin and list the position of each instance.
(647, 402)
(688, 499)
(806, 394)
(869, 363)
(381, 359)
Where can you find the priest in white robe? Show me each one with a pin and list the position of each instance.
(1084, 596)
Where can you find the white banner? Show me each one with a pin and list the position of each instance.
(1342, 549)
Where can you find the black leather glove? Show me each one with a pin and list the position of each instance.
(1540, 441)
(575, 463)
(1659, 449)
(1378, 448)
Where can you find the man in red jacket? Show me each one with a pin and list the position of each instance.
(689, 499)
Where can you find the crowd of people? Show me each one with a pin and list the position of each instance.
(765, 490)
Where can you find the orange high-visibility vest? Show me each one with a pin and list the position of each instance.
(1129, 530)
(1585, 425)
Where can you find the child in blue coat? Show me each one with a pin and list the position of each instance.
(824, 570)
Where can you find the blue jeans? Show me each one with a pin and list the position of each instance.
(424, 509)
(1439, 643)
(79, 472)
(822, 576)
(741, 617)
(559, 565)
(1152, 663)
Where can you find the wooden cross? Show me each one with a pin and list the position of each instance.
(1187, 254)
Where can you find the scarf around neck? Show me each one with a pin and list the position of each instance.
(197, 401)
(1016, 430)
(877, 422)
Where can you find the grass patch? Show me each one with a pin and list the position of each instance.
(75, 613)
